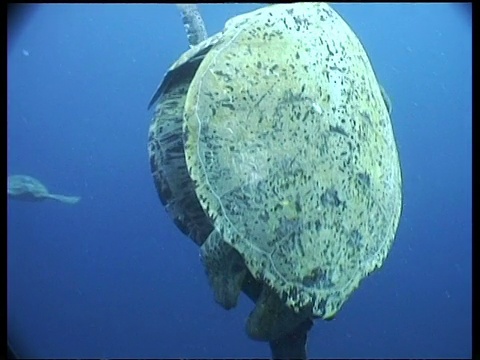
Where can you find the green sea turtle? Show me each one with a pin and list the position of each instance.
(27, 188)
(272, 148)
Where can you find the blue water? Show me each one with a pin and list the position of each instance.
(113, 277)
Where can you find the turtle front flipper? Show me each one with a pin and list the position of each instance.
(193, 23)
(225, 269)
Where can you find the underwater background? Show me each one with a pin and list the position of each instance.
(111, 276)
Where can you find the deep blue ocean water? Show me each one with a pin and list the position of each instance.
(113, 277)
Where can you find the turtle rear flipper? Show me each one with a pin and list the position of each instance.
(272, 319)
(64, 199)
(292, 345)
(225, 269)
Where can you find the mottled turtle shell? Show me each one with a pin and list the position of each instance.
(291, 149)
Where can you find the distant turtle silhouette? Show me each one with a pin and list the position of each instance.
(27, 188)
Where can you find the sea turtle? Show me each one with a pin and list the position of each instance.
(272, 148)
(27, 188)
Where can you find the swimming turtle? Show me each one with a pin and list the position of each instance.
(272, 147)
(27, 188)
